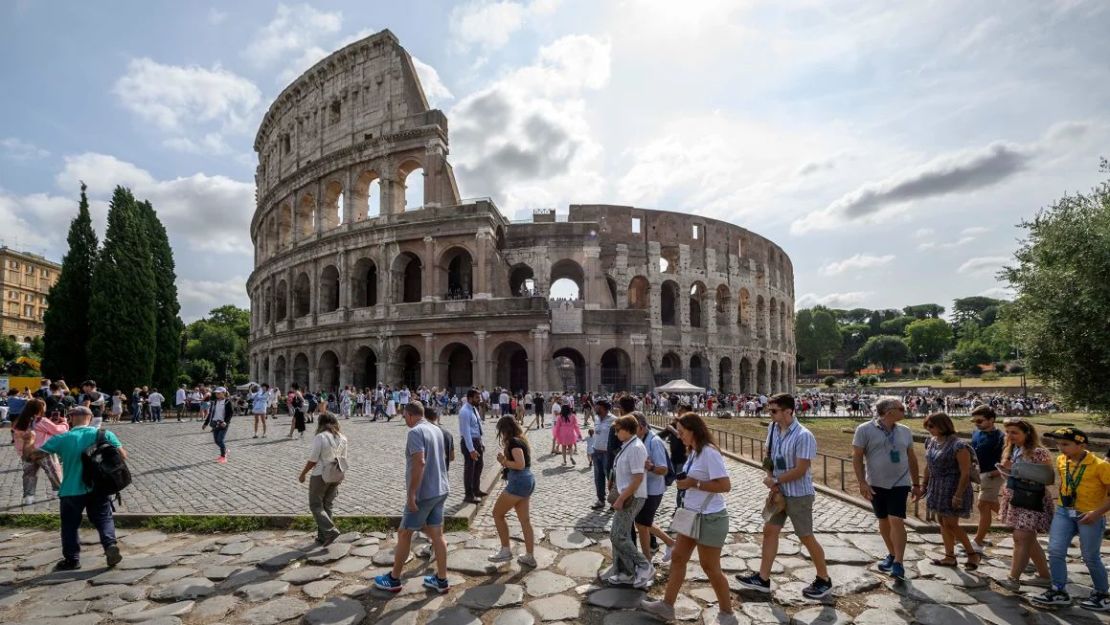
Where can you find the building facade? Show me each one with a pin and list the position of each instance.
(25, 282)
(355, 282)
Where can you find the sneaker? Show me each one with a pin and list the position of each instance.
(661, 609)
(898, 571)
(819, 589)
(67, 565)
(667, 553)
(755, 582)
(504, 555)
(388, 583)
(1097, 602)
(112, 554)
(886, 563)
(29, 500)
(1051, 597)
(436, 583)
(528, 559)
(645, 577)
(727, 618)
(600, 505)
(222, 460)
(329, 537)
(1009, 583)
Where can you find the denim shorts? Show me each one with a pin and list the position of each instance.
(521, 483)
(429, 512)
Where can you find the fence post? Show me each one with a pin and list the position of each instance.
(842, 484)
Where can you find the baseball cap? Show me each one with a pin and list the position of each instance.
(220, 389)
(1069, 434)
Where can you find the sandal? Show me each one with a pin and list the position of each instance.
(948, 561)
(973, 561)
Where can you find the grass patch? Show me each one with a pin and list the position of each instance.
(219, 524)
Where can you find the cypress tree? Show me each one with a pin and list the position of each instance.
(67, 315)
(168, 326)
(122, 313)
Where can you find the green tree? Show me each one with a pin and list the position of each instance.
(884, 350)
(221, 339)
(896, 326)
(67, 315)
(122, 331)
(968, 355)
(805, 339)
(826, 334)
(9, 349)
(168, 326)
(1063, 298)
(924, 311)
(928, 338)
(37, 347)
(201, 371)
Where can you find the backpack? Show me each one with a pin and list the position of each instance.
(104, 470)
(336, 470)
(671, 475)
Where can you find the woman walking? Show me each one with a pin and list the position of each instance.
(297, 405)
(328, 447)
(26, 431)
(516, 457)
(948, 488)
(1023, 445)
(704, 478)
(629, 564)
(566, 434)
(117, 406)
(219, 418)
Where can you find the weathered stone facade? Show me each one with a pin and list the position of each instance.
(451, 293)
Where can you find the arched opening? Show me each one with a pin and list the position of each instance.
(639, 293)
(774, 376)
(280, 302)
(724, 375)
(760, 318)
(408, 366)
(668, 259)
(570, 366)
(279, 372)
(783, 378)
(327, 372)
(567, 280)
(267, 305)
(459, 363)
(306, 217)
(410, 275)
(697, 304)
(367, 196)
(511, 362)
(412, 180)
(522, 281)
(365, 368)
(724, 303)
(329, 289)
(668, 303)
(762, 384)
(285, 225)
(747, 382)
(670, 368)
(699, 371)
(333, 205)
(301, 296)
(364, 284)
(773, 322)
(300, 371)
(784, 328)
(612, 291)
(616, 370)
(459, 269)
(744, 314)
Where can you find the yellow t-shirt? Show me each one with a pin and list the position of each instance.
(1092, 488)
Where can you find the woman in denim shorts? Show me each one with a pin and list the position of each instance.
(516, 457)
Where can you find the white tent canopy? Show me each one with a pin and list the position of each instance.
(679, 386)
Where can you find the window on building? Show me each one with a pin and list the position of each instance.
(696, 233)
(335, 108)
(28, 311)
(635, 225)
(286, 145)
(28, 297)
(15, 264)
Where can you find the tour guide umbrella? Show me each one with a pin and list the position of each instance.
(680, 387)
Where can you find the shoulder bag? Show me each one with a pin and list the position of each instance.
(336, 470)
(685, 521)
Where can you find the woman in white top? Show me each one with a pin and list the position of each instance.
(327, 446)
(629, 564)
(705, 479)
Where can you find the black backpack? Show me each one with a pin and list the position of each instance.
(104, 470)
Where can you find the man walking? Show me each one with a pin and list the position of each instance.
(470, 437)
(601, 451)
(179, 401)
(791, 448)
(426, 483)
(93, 400)
(891, 467)
(155, 400)
(988, 442)
(73, 496)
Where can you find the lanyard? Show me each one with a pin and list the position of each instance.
(891, 436)
(783, 438)
(1068, 481)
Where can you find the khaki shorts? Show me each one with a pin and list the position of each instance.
(800, 512)
(989, 487)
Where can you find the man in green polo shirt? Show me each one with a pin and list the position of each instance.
(74, 496)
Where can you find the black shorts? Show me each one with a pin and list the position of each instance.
(646, 515)
(890, 501)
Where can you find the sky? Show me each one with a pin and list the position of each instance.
(890, 149)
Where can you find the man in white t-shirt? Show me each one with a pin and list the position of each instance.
(155, 400)
(179, 401)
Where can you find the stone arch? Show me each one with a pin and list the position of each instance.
(264, 370)
(510, 361)
(723, 303)
(773, 321)
(774, 376)
(522, 281)
(279, 372)
(411, 177)
(784, 328)
(364, 283)
(783, 377)
(567, 269)
(747, 385)
(300, 371)
(458, 367)
(364, 367)
(616, 370)
(668, 303)
(327, 372)
(699, 370)
(762, 384)
(639, 293)
(457, 265)
(697, 304)
(408, 272)
(725, 383)
(329, 289)
(760, 318)
(302, 294)
(285, 225)
(267, 305)
(744, 312)
(280, 302)
(570, 367)
(332, 208)
(670, 368)
(367, 196)
(407, 364)
(306, 216)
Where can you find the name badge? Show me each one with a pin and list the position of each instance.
(780, 463)
(895, 456)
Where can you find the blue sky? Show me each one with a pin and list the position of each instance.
(890, 148)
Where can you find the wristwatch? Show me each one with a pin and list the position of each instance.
(776, 480)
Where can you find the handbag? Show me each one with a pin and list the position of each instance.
(685, 521)
(336, 470)
(1026, 494)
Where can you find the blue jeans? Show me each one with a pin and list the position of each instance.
(1063, 529)
(601, 473)
(155, 413)
(100, 515)
(218, 435)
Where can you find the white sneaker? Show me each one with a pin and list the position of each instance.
(527, 559)
(645, 577)
(660, 609)
(609, 572)
(504, 555)
(667, 554)
(29, 500)
(621, 579)
(726, 619)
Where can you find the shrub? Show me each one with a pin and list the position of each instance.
(974, 372)
(999, 367)
(912, 371)
(864, 380)
(830, 381)
(874, 380)
(938, 369)
(950, 379)
(1016, 369)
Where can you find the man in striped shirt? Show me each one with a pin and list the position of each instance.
(791, 448)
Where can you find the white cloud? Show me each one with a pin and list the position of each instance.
(434, 90)
(998, 292)
(17, 149)
(855, 263)
(921, 233)
(199, 296)
(832, 300)
(292, 31)
(216, 16)
(308, 56)
(178, 99)
(489, 25)
(983, 265)
(974, 231)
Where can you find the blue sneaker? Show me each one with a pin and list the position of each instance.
(388, 583)
(897, 571)
(436, 584)
(886, 563)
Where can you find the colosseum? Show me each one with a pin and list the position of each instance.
(369, 267)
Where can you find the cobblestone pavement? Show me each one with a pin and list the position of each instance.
(274, 577)
(564, 494)
(174, 470)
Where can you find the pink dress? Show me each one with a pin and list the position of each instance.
(566, 431)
